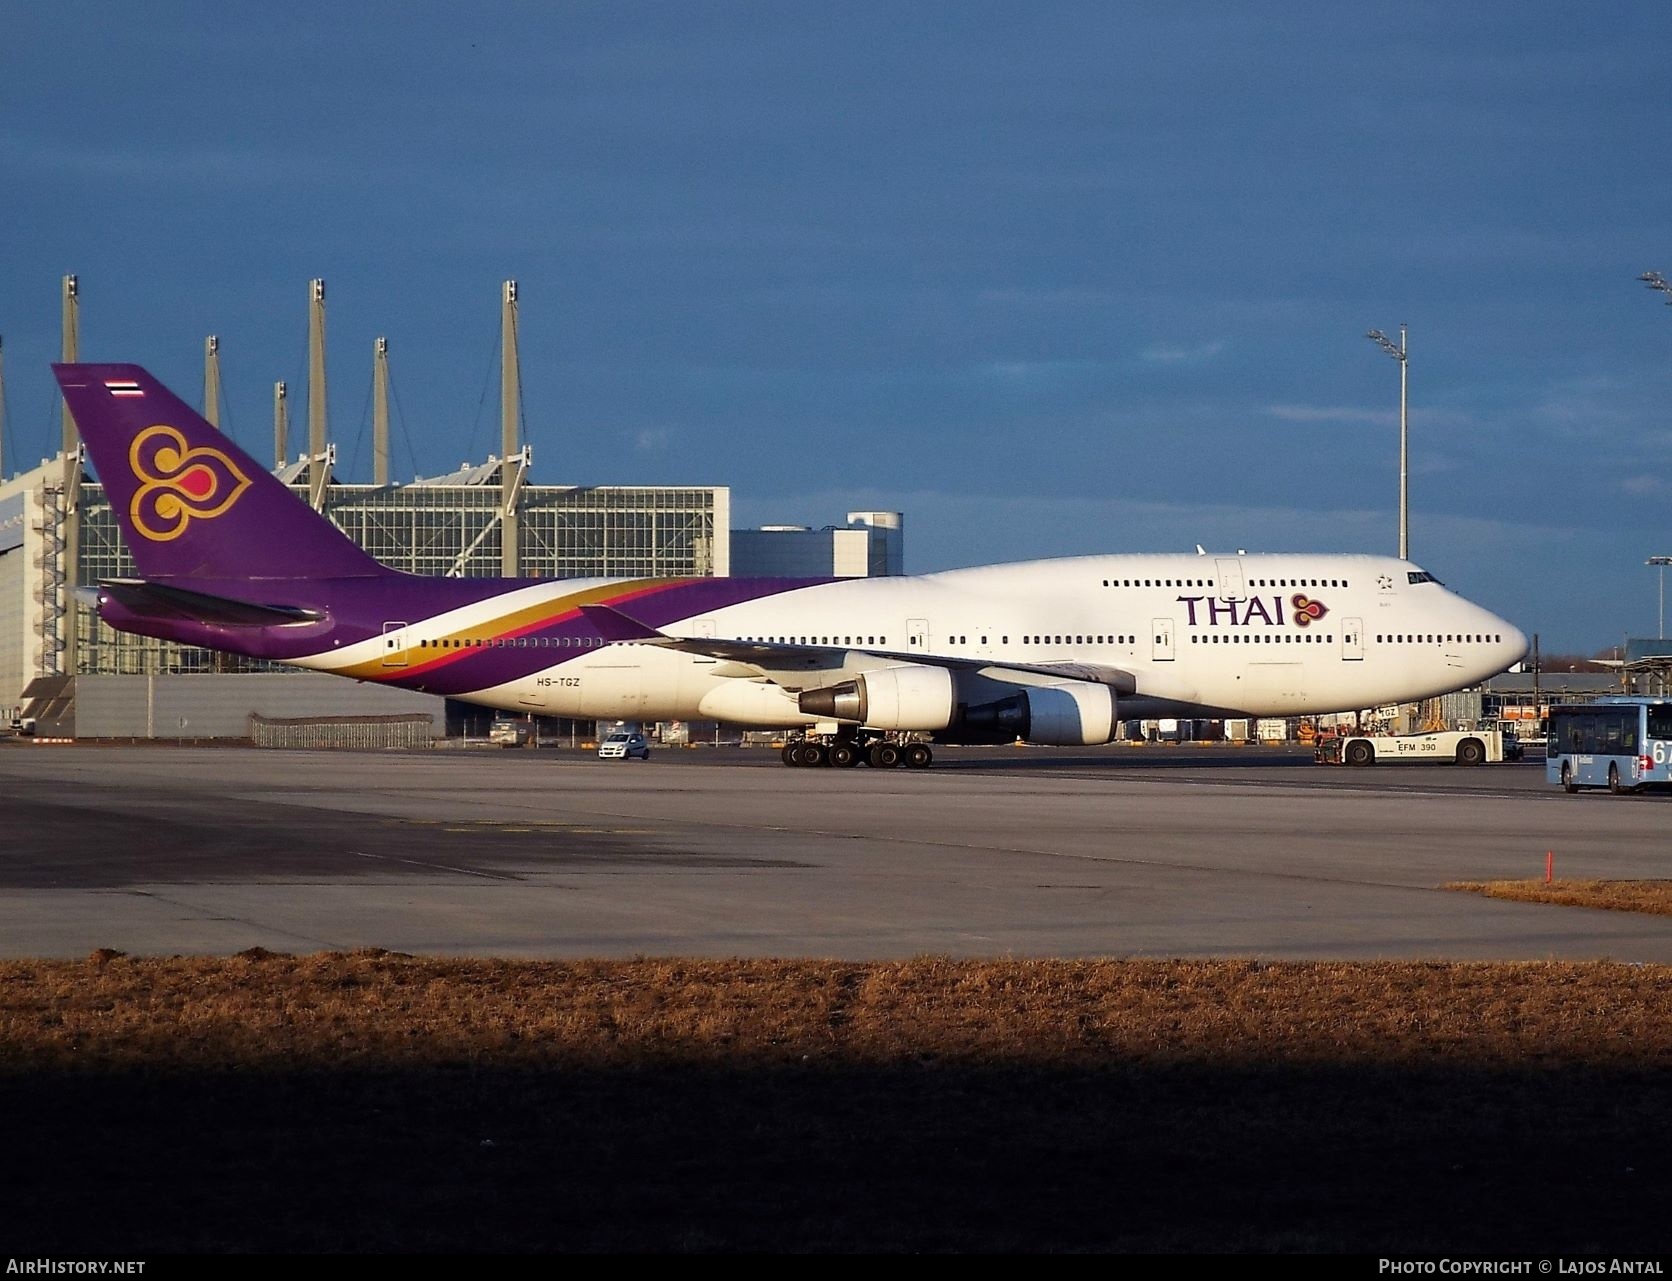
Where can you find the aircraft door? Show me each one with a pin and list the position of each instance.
(394, 650)
(1228, 580)
(917, 635)
(1161, 630)
(1352, 639)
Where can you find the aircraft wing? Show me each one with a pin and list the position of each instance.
(771, 659)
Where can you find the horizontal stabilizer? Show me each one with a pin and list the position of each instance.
(158, 600)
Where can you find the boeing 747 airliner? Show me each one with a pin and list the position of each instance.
(1052, 651)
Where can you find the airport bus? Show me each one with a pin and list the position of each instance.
(1622, 742)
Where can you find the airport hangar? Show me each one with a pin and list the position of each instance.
(75, 677)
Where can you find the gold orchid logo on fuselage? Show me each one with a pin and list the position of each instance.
(179, 483)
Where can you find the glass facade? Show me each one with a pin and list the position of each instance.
(444, 531)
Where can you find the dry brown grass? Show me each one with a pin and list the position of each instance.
(377, 1009)
(372, 1102)
(1653, 897)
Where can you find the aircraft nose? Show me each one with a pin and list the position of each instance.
(1513, 647)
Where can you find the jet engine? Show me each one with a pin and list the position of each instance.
(910, 697)
(962, 707)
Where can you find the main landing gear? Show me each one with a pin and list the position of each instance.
(878, 753)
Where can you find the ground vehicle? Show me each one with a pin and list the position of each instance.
(508, 731)
(624, 745)
(1466, 747)
(1622, 742)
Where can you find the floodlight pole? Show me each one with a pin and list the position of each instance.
(1654, 280)
(1399, 353)
(1661, 562)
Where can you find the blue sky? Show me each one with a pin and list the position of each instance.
(1050, 278)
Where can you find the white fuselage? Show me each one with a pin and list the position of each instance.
(1257, 635)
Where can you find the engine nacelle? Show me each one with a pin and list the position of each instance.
(905, 698)
(965, 708)
(1071, 714)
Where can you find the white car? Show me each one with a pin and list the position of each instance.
(622, 746)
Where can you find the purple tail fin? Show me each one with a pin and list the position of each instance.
(191, 504)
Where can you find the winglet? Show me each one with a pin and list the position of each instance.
(613, 625)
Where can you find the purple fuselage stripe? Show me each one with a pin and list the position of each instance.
(356, 610)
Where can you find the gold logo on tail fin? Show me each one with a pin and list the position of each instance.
(179, 483)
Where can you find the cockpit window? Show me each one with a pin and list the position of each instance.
(1422, 576)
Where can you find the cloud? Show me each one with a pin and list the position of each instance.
(1018, 371)
(1644, 484)
(1427, 416)
(1333, 414)
(652, 440)
(157, 164)
(1183, 355)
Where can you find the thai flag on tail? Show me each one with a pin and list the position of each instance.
(119, 387)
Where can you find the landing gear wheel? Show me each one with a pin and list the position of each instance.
(791, 755)
(843, 755)
(883, 756)
(918, 756)
(1568, 785)
(1614, 784)
(813, 754)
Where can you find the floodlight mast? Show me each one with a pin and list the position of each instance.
(1399, 353)
(1654, 280)
(1661, 562)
